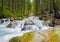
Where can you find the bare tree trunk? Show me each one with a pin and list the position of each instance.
(2, 6)
(12, 6)
(8, 4)
(51, 7)
(55, 7)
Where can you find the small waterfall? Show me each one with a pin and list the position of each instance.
(21, 26)
(5, 23)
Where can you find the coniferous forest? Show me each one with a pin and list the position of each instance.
(23, 8)
(14, 8)
(29, 20)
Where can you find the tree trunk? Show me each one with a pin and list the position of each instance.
(12, 6)
(8, 4)
(2, 6)
(55, 7)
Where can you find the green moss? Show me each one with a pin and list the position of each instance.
(15, 39)
(53, 37)
(27, 37)
(58, 32)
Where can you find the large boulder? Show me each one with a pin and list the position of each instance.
(37, 36)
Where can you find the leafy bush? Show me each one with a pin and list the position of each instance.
(7, 13)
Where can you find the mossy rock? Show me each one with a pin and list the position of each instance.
(31, 37)
(15, 39)
(27, 37)
(53, 37)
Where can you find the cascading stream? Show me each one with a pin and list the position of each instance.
(7, 33)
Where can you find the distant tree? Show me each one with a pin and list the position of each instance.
(2, 5)
(51, 6)
(55, 7)
(8, 4)
(13, 6)
(37, 7)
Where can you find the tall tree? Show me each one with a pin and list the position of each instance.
(8, 4)
(2, 6)
(37, 8)
(12, 5)
(55, 7)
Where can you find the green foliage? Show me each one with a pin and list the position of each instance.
(7, 13)
(23, 8)
(15, 8)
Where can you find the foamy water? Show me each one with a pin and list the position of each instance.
(7, 33)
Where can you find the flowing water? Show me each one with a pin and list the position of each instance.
(18, 30)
